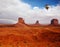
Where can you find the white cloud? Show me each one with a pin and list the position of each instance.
(12, 9)
(6, 21)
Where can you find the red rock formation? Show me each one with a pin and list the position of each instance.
(20, 20)
(54, 22)
(37, 24)
(26, 36)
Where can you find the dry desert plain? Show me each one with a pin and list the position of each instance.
(22, 35)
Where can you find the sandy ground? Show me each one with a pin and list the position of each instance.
(25, 36)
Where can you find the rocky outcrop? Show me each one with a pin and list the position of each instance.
(54, 22)
(21, 20)
(21, 35)
(37, 24)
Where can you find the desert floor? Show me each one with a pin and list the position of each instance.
(26, 36)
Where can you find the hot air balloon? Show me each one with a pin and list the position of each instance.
(47, 6)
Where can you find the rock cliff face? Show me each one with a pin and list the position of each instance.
(20, 20)
(34, 35)
(54, 22)
(36, 24)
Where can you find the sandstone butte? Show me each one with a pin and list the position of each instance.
(33, 35)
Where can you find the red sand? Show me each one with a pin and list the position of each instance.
(22, 35)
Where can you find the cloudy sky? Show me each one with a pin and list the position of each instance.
(30, 10)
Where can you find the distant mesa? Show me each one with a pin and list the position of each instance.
(21, 22)
(54, 22)
(37, 22)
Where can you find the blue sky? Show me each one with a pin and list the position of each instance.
(29, 10)
(41, 3)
